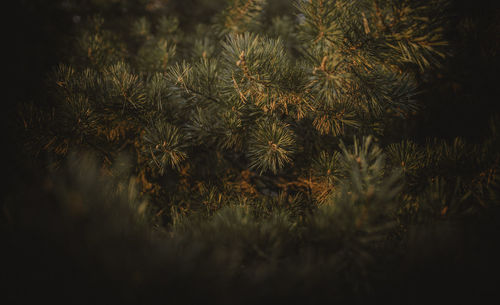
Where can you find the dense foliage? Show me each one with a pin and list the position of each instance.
(252, 151)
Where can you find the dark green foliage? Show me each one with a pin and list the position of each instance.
(271, 145)
(266, 153)
(163, 145)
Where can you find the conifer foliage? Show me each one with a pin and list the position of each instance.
(263, 145)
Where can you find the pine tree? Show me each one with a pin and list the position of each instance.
(266, 138)
(239, 94)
